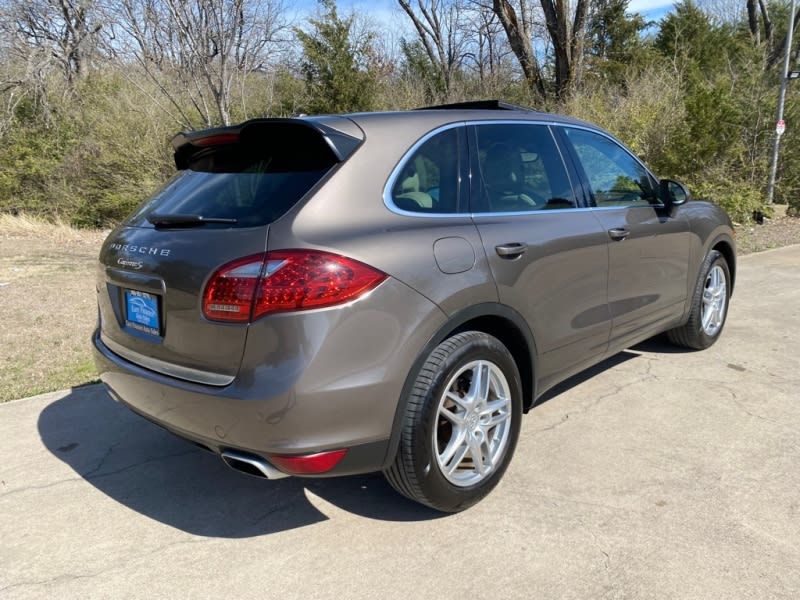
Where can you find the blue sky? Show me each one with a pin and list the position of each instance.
(389, 13)
(652, 10)
(385, 10)
(649, 6)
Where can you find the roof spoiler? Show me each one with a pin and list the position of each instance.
(260, 132)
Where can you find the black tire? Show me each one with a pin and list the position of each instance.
(693, 334)
(416, 472)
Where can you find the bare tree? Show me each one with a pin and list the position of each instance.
(196, 51)
(565, 34)
(723, 12)
(40, 39)
(442, 29)
(491, 47)
(758, 14)
(64, 31)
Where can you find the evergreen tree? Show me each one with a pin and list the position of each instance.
(615, 40)
(336, 64)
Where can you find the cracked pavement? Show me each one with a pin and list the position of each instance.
(657, 474)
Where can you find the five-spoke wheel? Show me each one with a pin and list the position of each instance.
(461, 423)
(715, 300)
(709, 305)
(473, 423)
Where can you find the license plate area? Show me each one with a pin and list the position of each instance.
(142, 312)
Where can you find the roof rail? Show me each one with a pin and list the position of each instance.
(478, 105)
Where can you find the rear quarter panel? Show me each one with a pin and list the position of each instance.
(348, 216)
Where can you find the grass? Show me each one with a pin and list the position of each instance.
(74, 374)
(47, 305)
(28, 226)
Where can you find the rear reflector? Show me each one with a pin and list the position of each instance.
(308, 464)
(286, 280)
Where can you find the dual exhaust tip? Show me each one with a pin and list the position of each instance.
(251, 465)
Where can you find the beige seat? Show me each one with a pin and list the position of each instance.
(410, 196)
(502, 174)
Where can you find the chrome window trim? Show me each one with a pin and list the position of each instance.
(387, 189)
(165, 368)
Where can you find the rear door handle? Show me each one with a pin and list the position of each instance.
(511, 250)
(618, 233)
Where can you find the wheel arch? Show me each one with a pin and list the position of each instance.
(497, 320)
(724, 246)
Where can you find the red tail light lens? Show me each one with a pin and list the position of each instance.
(286, 280)
(308, 464)
(230, 291)
(301, 279)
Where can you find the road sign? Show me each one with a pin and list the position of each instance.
(793, 75)
(780, 127)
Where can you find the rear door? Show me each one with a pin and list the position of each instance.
(547, 252)
(216, 209)
(648, 245)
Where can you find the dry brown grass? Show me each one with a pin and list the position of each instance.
(27, 227)
(47, 305)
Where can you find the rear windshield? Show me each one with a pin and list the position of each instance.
(253, 184)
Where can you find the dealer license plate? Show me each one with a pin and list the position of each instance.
(141, 312)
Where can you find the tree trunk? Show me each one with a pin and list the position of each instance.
(769, 28)
(752, 21)
(520, 41)
(778, 51)
(568, 41)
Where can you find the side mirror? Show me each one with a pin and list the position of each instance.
(673, 193)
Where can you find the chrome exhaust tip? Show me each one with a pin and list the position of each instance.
(251, 465)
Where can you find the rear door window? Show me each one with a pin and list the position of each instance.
(520, 170)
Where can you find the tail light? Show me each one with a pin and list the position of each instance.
(286, 280)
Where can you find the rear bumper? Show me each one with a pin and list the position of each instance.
(218, 423)
(308, 382)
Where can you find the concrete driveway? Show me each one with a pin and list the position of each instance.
(659, 474)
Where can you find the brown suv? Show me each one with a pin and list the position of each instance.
(332, 295)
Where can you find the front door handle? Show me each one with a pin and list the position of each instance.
(618, 233)
(511, 250)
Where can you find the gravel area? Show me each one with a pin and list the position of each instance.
(773, 233)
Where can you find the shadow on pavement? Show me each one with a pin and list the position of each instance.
(162, 477)
(658, 344)
(661, 345)
(579, 378)
(172, 481)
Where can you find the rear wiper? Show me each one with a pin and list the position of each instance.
(186, 220)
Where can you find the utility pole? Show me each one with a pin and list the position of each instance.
(779, 125)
